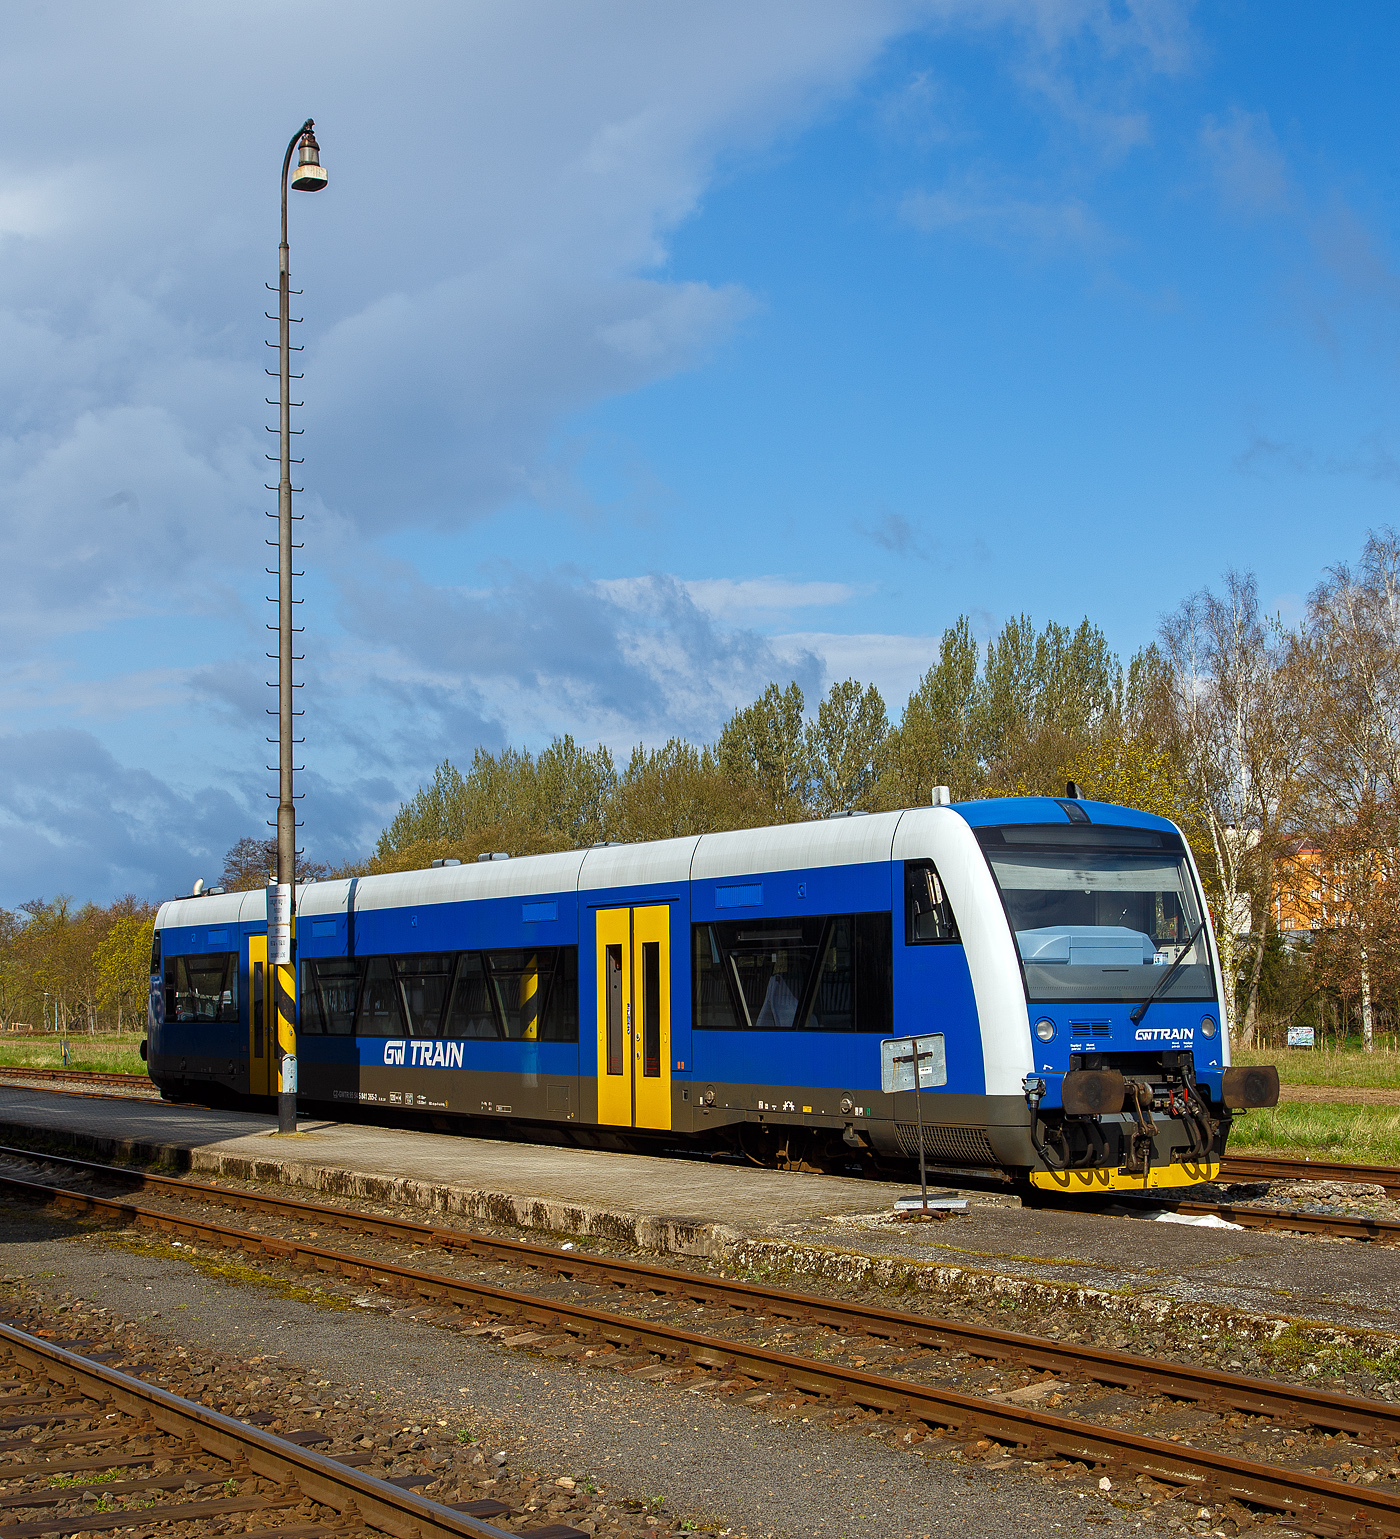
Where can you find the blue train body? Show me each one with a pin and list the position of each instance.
(735, 989)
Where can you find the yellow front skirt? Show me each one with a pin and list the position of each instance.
(1120, 1181)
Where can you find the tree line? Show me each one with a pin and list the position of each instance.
(1254, 735)
(68, 967)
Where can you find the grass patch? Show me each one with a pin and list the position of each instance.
(1358, 1135)
(1313, 1066)
(101, 1054)
(236, 1273)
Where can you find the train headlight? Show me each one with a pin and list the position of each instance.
(1207, 1026)
(1045, 1029)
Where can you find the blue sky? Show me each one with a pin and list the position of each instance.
(652, 353)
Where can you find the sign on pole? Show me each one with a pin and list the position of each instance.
(279, 924)
(897, 1063)
(1301, 1036)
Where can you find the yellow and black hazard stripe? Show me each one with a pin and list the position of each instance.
(284, 1003)
(530, 1001)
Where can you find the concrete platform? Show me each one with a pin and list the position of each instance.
(767, 1223)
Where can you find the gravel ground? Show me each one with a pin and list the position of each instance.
(644, 1457)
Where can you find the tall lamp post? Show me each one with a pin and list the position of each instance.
(309, 177)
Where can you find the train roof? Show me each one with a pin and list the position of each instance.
(841, 840)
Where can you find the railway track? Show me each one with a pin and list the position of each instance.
(1234, 1167)
(1279, 1168)
(69, 1424)
(77, 1077)
(1309, 1497)
(1333, 1226)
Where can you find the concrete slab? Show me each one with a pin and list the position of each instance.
(767, 1223)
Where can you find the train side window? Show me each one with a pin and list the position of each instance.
(928, 915)
(559, 1013)
(329, 996)
(258, 1007)
(613, 977)
(155, 953)
(807, 974)
(874, 973)
(651, 1009)
(379, 1013)
(471, 1014)
(426, 981)
(520, 982)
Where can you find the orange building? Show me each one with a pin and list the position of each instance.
(1309, 890)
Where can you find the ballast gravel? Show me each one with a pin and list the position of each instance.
(559, 1442)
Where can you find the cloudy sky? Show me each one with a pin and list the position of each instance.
(653, 352)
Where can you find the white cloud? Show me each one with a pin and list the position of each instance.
(1250, 171)
(755, 599)
(1002, 217)
(893, 664)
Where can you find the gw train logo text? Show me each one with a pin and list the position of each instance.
(1155, 1034)
(424, 1055)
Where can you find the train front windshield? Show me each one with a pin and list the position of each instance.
(1099, 913)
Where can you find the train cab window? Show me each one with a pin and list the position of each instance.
(155, 954)
(202, 988)
(425, 983)
(329, 992)
(807, 974)
(379, 1013)
(928, 915)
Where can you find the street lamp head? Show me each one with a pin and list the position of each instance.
(309, 175)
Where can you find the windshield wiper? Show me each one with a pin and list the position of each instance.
(1135, 1016)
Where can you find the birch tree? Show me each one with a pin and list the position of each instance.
(1353, 654)
(1238, 731)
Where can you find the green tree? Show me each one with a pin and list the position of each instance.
(680, 789)
(123, 958)
(938, 741)
(844, 749)
(763, 748)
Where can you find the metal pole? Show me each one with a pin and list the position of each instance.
(919, 1112)
(284, 988)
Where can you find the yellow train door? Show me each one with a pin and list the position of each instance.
(262, 1074)
(634, 1017)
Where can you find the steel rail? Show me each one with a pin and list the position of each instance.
(1259, 1167)
(77, 1076)
(1318, 1502)
(357, 1497)
(1237, 1392)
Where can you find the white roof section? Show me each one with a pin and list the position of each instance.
(855, 840)
(217, 908)
(795, 846)
(517, 878)
(324, 898)
(636, 865)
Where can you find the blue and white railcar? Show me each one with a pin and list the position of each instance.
(735, 988)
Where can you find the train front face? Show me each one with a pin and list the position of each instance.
(1130, 1084)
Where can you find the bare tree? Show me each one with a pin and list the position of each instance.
(1234, 693)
